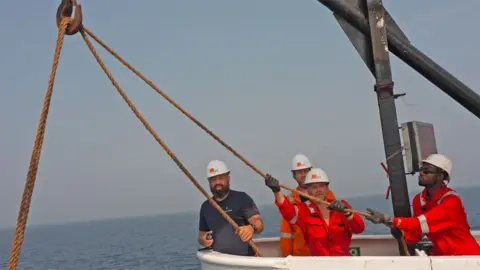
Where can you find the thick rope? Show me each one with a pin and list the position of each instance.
(202, 126)
(36, 152)
(160, 141)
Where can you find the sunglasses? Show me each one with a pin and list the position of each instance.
(427, 170)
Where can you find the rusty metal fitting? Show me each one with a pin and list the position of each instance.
(65, 9)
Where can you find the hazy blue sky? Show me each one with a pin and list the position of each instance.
(271, 77)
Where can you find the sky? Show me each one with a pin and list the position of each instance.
(272, 78)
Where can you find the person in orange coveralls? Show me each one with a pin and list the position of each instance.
(327, 229)
(438, 213)
(292, 242)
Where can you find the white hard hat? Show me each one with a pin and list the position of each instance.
(300, 162)
(216, 167)
(316, 175)
(441, 162)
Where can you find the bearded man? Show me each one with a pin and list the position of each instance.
(214, 229)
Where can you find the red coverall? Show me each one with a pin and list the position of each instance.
(331, 239)
(443, 220)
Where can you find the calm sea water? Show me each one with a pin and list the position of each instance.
(159, 242)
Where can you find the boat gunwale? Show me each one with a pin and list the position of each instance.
(213, 257)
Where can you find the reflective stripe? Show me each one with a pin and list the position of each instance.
(286, 235)
(294, 219)
(451, 192)
(422, 201)
(423, 224)
(310, 207)
(290, 197)
(439, 200)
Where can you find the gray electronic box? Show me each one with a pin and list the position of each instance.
(418, 143)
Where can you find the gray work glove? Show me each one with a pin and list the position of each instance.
(272, 183)
(378, 217)
(337, 205)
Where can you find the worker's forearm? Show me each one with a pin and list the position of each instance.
(279, 197)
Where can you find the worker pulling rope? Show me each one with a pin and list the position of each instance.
(36, 153)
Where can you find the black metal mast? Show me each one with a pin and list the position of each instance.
(387, 109)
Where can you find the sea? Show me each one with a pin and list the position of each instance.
(155, 242)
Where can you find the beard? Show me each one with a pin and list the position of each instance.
(220, 192)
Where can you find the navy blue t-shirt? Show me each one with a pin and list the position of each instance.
(240, 207)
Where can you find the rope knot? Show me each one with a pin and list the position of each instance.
(65, 10)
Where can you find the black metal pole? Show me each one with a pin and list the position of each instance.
(461, 93)
(387, 110)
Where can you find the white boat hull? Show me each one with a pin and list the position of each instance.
(371, 252)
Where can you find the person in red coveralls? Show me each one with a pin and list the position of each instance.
(327, 229)
(438, 213)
